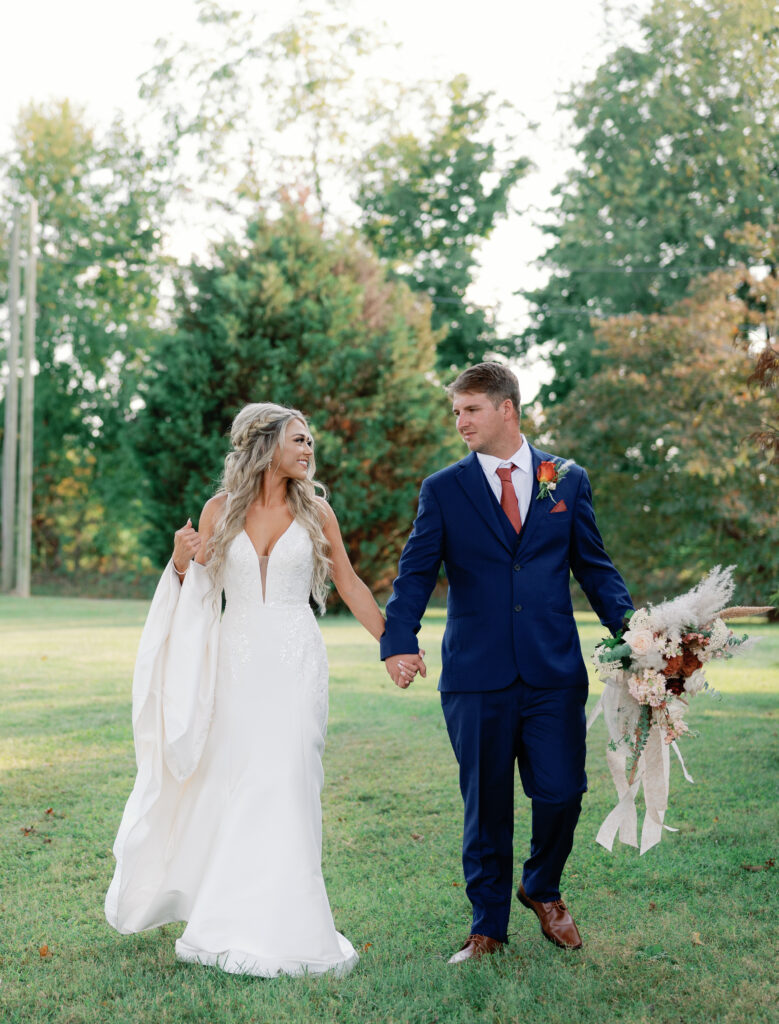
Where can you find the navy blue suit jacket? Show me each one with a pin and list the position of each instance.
(509, 609)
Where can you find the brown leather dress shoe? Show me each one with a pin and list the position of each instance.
(475, 947)
(556, 923)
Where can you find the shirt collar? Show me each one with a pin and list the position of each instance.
(521, 458)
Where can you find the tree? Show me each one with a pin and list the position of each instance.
(759, 334)
(425, 198)
(429, 201)
(679, 144)
(262, 113)
(296, 317)
(663, 427)
(99, 208)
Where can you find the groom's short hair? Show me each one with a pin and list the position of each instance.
(494, 380)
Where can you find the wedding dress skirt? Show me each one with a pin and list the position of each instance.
(223, 827)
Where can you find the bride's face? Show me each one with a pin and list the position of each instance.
(294, 453)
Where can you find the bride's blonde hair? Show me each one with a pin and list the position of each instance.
(257, 432)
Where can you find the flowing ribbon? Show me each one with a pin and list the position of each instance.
(652, 770)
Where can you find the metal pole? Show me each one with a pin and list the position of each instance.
(11, 431)
(24, 536)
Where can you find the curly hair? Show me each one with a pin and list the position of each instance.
(257, 432)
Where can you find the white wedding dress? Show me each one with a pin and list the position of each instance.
(223, 826)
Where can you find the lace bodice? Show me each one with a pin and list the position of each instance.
(288, 571)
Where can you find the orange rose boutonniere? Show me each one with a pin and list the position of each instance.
(549, 476)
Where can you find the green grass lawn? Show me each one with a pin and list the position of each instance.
(682, 934)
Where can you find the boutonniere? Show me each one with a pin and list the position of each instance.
(549, 476)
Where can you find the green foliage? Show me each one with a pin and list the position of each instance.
(99, 205)
(639, 740)
(679, 143)
(614, 649)
(663, 427)
(429, 200)
(294, 317)
(426, 198)
(219, 94)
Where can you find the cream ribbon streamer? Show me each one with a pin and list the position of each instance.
(620, 712)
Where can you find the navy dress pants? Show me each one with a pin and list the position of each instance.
(543, 731)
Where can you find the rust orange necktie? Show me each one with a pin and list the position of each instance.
(508, 497)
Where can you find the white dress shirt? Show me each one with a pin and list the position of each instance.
(521, 476)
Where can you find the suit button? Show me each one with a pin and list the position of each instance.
(517, 566)
(517, 607)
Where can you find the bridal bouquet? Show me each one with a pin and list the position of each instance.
(652, 669)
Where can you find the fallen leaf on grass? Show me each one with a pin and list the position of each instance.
(696, 939)
(652, 905)
(457, 883)
(770, 863)
(27, 831)
(44, 951)
(417, 835)
(49, 810)
(367, 946)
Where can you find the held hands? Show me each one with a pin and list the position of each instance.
(186, 544)
(402, 668)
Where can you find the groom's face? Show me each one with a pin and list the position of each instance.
(479, 423)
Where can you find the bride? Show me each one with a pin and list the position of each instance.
(223, 826)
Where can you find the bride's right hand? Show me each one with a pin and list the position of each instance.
(186, 544)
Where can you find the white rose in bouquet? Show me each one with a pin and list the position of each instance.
(695, 682)
(640, 641)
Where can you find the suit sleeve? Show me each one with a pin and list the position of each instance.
(417, 575)
(593, 569)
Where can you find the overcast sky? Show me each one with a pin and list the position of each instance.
(92, 51)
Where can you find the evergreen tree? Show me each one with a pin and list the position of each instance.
(294, 317)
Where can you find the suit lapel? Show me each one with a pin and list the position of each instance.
(470, 477)
(534, 513)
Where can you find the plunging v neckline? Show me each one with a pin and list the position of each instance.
(263, 561)
(275, 543)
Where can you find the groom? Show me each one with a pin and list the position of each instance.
(513, 683)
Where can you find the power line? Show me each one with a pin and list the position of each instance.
(615, 268)
(606, 268)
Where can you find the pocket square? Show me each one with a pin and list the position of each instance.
(559, 507)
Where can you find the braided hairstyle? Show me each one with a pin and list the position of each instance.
(257, 431)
